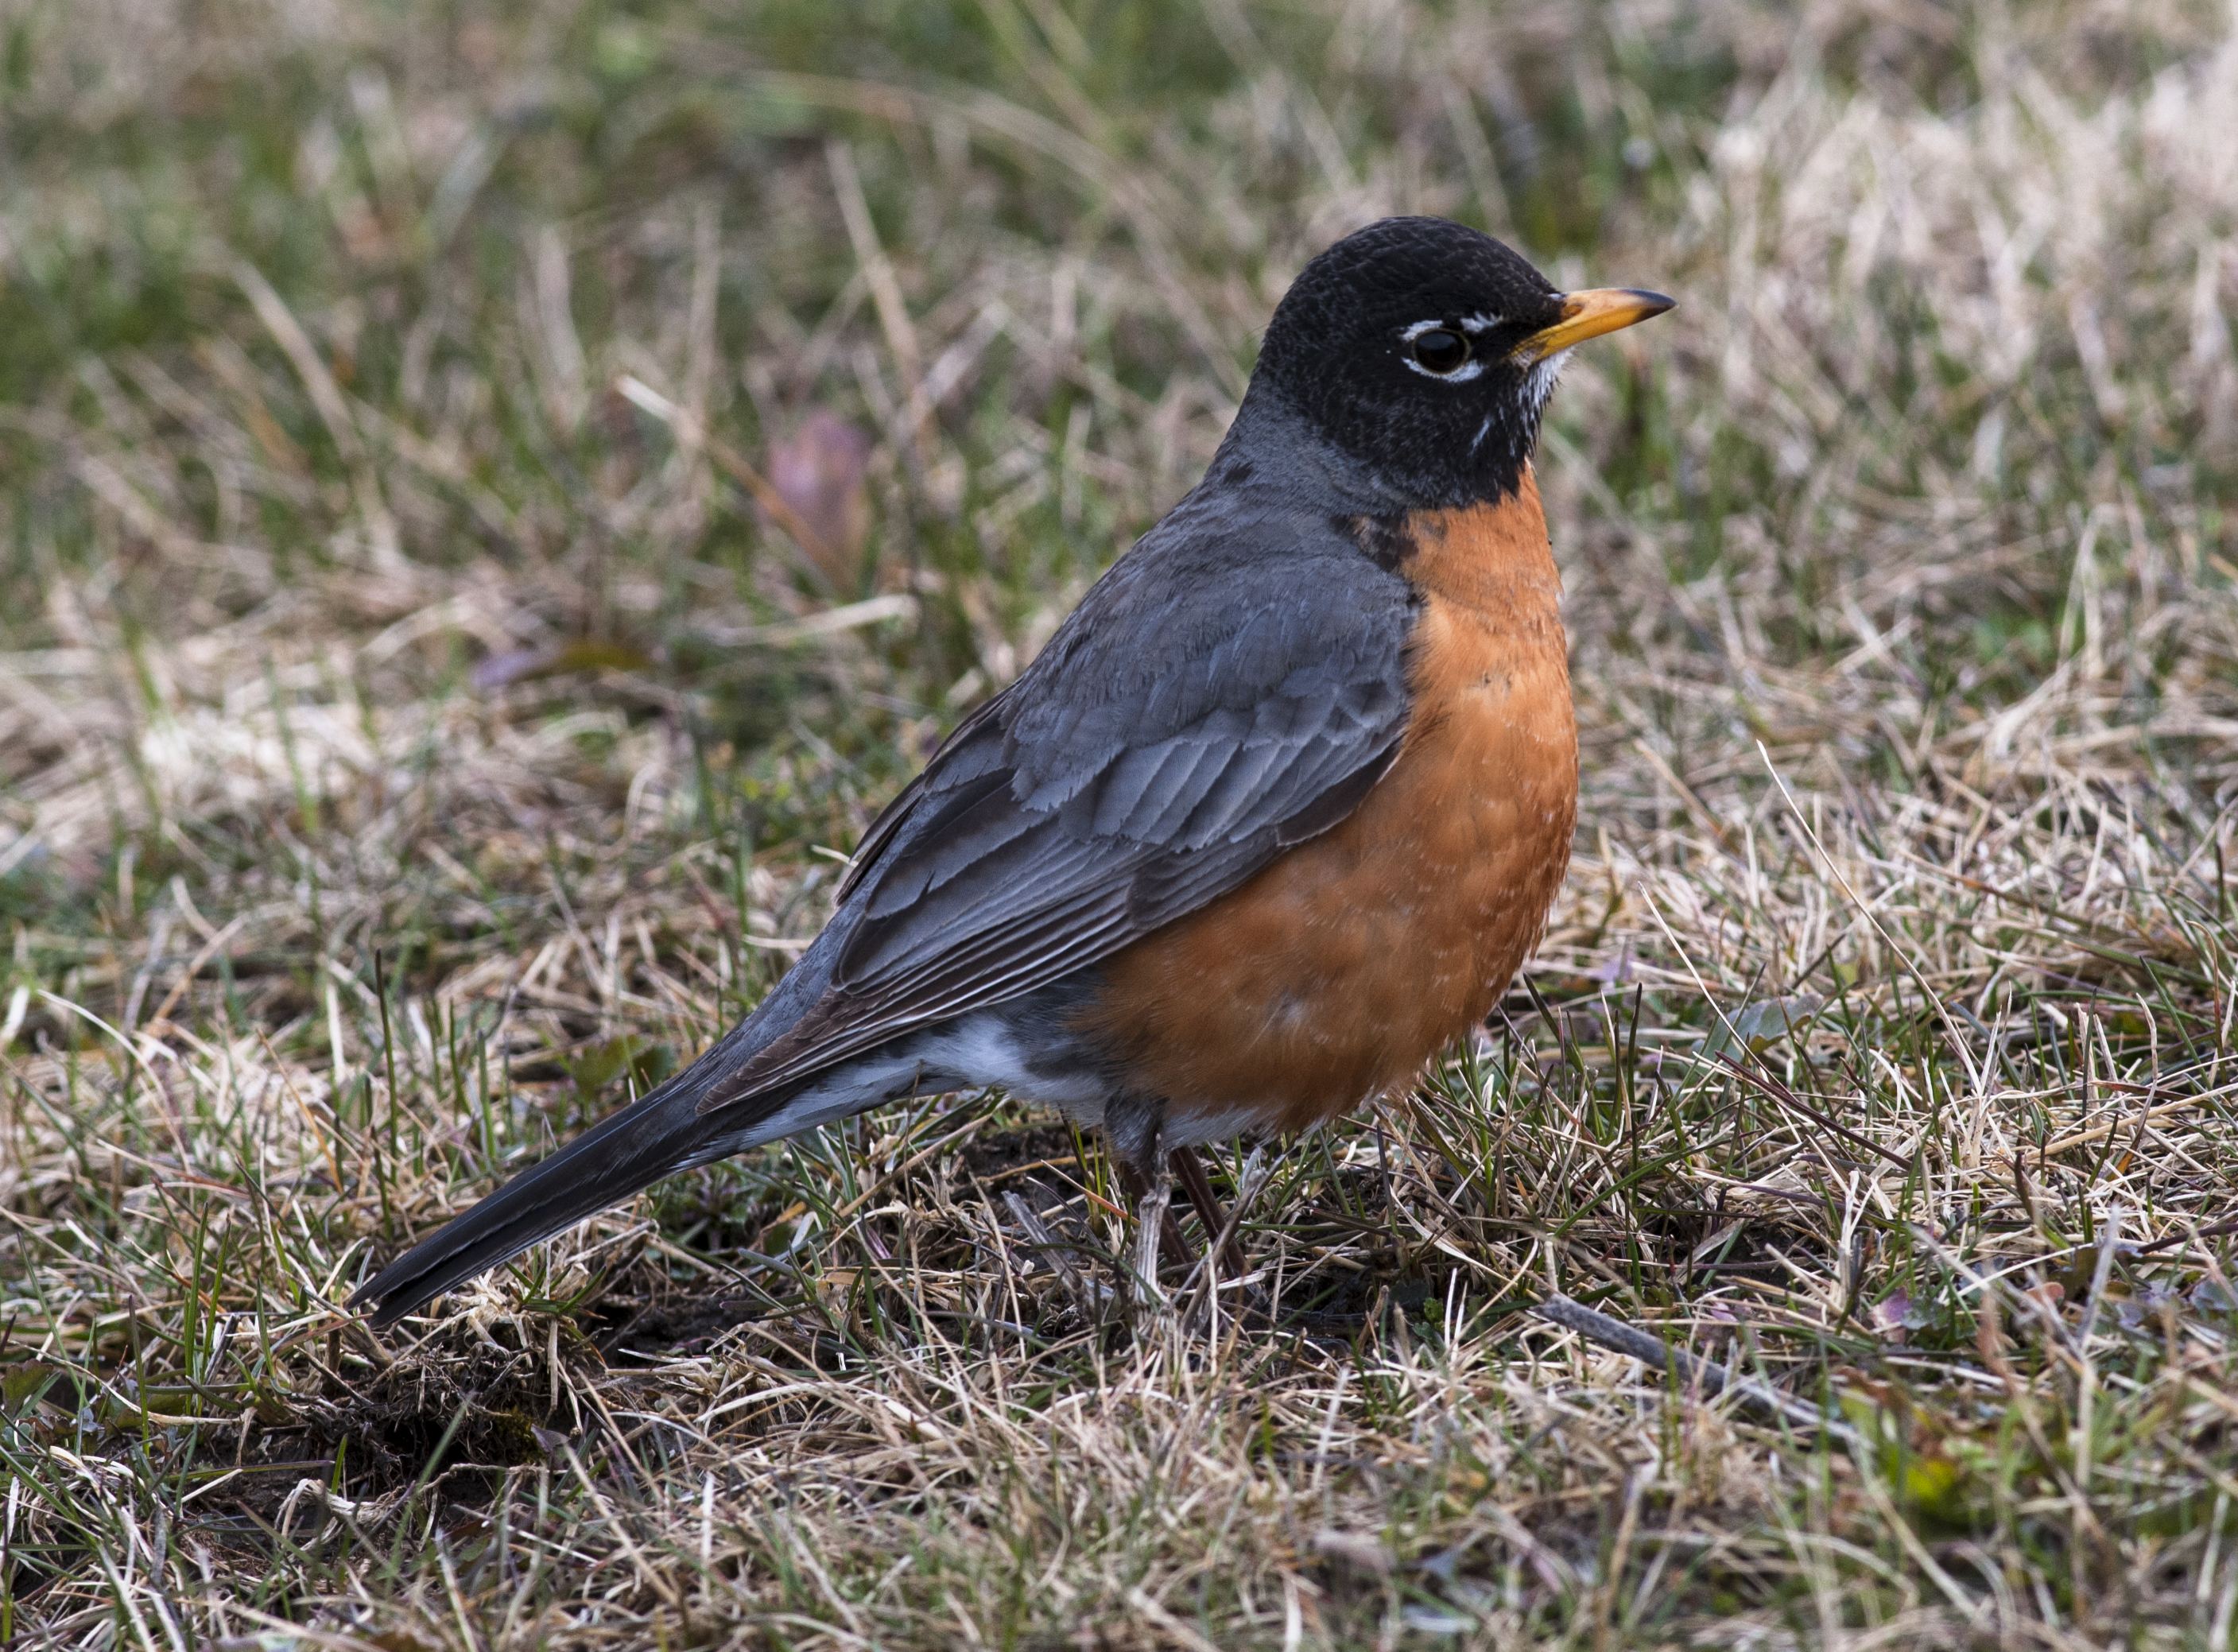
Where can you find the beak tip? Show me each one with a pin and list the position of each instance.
(1590, 313)
(1635, 303)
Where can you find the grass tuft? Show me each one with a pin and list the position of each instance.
(495, 502)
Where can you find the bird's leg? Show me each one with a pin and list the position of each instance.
(1188, 1168)
(1141, 1190)
(1154, 1217)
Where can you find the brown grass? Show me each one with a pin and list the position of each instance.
(412, 736)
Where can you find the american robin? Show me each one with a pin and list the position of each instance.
(1273, 819)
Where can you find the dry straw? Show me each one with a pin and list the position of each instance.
(411, 739)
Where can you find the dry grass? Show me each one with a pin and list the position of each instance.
(411, 738)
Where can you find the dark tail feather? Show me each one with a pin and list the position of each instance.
(637, 1147)
(630, 1151)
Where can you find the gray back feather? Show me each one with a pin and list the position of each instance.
(1235, 684)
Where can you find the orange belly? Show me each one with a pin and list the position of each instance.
(1342, 969)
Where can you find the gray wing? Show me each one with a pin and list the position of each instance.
(1234, 686)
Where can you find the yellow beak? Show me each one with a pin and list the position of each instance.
(1589, 314)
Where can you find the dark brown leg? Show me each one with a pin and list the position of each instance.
(1189, 1170)
(1136, 1186)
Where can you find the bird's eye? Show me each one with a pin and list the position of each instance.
(1440, 351)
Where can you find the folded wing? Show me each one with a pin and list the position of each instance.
(1193, 717)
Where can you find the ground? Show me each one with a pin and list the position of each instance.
(493, 499)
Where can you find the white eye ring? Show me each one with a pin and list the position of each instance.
(1468, 369)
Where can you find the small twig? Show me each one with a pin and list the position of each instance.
(1780, 1093)
(2215, 1231)
(1654, 1352)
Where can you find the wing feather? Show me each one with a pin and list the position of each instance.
(1233, 687)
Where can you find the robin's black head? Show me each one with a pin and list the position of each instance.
(1424, 351)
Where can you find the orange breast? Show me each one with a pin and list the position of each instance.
(1348, 962)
